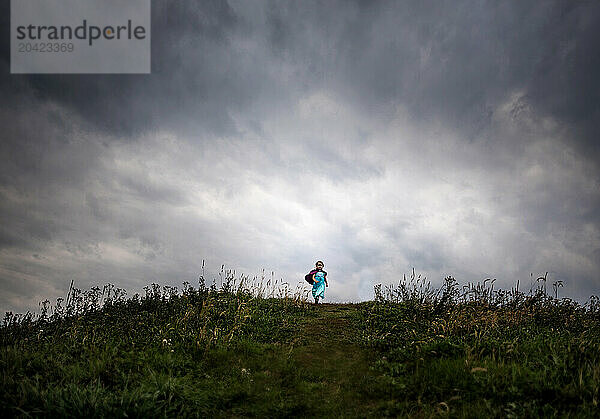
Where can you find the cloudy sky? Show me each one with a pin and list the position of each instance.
(459, 138)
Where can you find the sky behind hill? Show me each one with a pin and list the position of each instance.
(459, 138)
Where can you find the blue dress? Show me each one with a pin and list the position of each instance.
(318, 289)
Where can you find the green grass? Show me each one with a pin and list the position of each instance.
(413, 352)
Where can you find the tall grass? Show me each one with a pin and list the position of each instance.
(79, 304)
(227, 348)
(168, 352)
(479, 351)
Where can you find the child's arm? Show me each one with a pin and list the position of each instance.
(325, 278)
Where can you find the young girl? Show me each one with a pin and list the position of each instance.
(320, 282)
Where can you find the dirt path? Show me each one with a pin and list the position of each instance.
(329, 350)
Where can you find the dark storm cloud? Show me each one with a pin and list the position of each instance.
(448, 60)
(192, 77)
(455, 137)
(452, 60)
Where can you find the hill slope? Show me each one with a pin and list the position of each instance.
(222, 353)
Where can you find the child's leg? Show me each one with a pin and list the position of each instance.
(317, 299)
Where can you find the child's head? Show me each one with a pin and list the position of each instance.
(319, 264)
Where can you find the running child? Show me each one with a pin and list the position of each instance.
(319, 282)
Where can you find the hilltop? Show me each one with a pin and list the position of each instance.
(230, 353)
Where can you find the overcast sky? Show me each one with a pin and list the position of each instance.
(459, 138)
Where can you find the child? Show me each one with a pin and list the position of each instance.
(319, 282)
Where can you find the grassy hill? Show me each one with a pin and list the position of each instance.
(229, 352)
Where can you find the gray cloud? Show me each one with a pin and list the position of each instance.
(457, 138)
